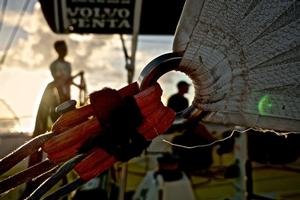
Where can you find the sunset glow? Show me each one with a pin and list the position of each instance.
(25, 72)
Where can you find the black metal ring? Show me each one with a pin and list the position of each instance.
(157, 68)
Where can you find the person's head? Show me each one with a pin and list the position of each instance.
(167, 161)
(60, 47)
(183, 87)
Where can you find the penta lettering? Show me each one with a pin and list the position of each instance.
(100, 23)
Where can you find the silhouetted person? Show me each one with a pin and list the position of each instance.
(168, 167)
(178, 101)
(193, 134)
(61, 71)
(196, 159)
(56, 92)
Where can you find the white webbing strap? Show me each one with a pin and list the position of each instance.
(244, 60)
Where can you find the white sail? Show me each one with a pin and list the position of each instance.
(244, 60)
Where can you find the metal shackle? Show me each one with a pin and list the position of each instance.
(157, 68)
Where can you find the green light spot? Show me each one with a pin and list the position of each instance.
(264, 105)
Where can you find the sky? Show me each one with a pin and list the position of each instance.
(25, 71)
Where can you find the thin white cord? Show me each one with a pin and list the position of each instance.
(224, 139)
(198, 146)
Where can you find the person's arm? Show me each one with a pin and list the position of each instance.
(204, 133)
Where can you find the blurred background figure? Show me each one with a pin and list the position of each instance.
(166, 182)
(196, 160)
(56, 92)
(178, 101)
(193, 133)
(61, 71)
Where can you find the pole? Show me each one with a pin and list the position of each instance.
(241, 154)
(131, 68)
(134, 40)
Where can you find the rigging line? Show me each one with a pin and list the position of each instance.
(127, 57)
(129, 63)
(15, 116)
(3, 9)
(14, 32)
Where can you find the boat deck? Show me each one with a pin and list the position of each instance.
(273, 181)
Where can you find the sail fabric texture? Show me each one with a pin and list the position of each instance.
(244, 60)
